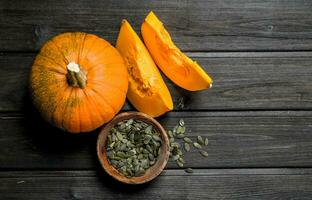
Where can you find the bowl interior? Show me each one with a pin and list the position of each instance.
(150, 173)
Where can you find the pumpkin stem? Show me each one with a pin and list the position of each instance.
(75, 76)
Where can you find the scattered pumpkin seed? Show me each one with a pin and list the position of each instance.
(187, 147)
(189, 170)
(170, 134)
(178, 132)
(206, 141)
(180, 136)
(196, 145)
(188, 140)
(200, 140)
(183, 129)
(175, 157)
(181, 122)
(181, 160)
(204, 153)
(180, 164)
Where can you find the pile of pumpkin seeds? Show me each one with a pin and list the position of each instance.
(133, 146)
(176, 153)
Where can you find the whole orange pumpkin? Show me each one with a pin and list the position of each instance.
(78, 81)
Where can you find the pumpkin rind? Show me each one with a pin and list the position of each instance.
(147, 90)
(179, 68)
(69, 107)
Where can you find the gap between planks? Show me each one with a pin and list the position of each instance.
(214, 54)
(167, 172)
(201, 113)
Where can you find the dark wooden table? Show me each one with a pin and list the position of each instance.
(258, 115)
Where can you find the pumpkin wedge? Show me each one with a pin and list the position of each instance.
(182, 70)
(147, 90)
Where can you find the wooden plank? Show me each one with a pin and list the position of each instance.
(241, 81)
(172, 184)
(198, 25)
(236, 139)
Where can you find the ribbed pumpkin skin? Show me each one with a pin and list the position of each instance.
(72, 108)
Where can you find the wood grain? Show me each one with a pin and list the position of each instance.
(236, 140)
(241, 81)
(257, 116)
(172, 184)
(198, 25)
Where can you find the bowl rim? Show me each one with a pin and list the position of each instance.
(151, 172)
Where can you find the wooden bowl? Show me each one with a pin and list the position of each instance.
(150, 173)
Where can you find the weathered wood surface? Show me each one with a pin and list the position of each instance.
(236, 139)
(257, 116)
(173, 184)
(197, 25)
(241, 81)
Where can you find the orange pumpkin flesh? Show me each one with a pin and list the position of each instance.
(147, 90)
(78, 82)
(182, 70)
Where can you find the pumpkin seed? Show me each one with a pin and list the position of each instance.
(140, 172)
(119, 136)
(147, 139)
(150, 156)
(181, 160)
(179, 130)
(130, 121)
(148, 129)
(170, 134)
(152, 162)
(181, 122)
(200, 140)
(159, 151)
(174, 133)
(145, 151)
(122, 126)
(187, 147)
(182, 129)
(132, 152)
(121, 154)
(149, 148)
(179, 152)
(175, 144)
(123, 147)
(140, 156)
(112, 145)
(180, 164)
(204, 153)
(180, 136)
(156, 138)
(206, 141)
(175, 157)
(155, 153)
(114, 138)
(189, 170)
(132, 137)
(196, 145)
(188, 140)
